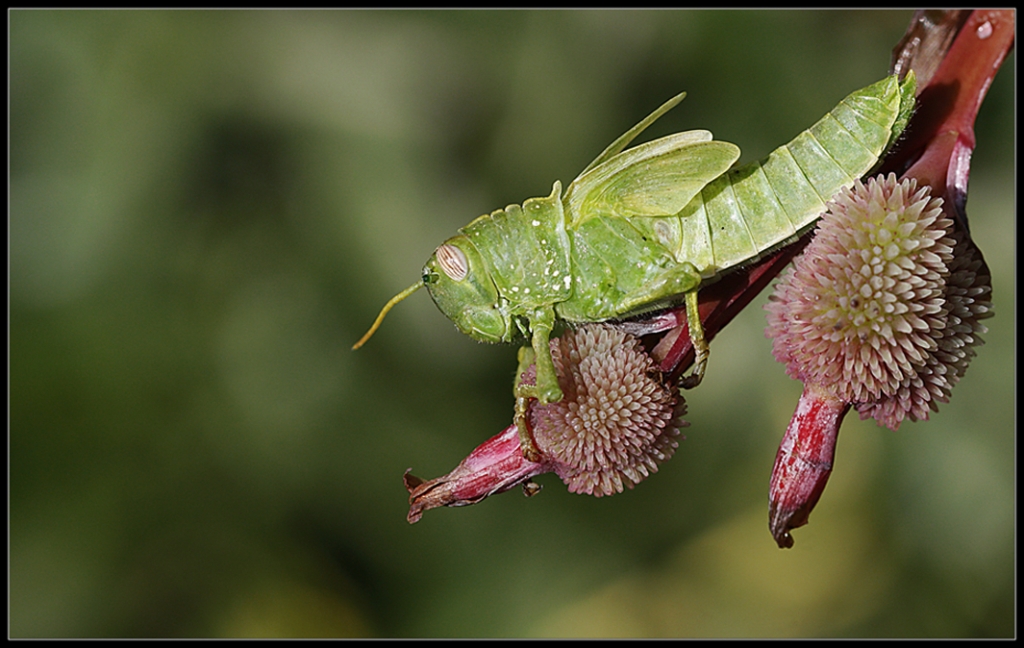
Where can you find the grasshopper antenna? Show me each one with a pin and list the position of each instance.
(384, 311)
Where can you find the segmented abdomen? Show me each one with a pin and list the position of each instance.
(753, 209)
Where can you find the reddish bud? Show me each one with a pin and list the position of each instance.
(804, 461)
(494, 467)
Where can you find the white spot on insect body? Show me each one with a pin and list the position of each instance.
(535, 223)
(663, 232)
(984, 30)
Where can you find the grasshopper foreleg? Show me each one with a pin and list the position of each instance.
(545, 387)
(524, 393)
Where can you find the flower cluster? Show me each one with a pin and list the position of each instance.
(880, 312)
(882, 308)
(619, 418)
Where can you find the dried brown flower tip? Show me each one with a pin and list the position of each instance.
(619, 418)
(880, 310)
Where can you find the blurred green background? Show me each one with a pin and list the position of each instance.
(208, 208)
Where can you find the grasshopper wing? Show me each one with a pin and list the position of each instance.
(657, 178)
(620, 144)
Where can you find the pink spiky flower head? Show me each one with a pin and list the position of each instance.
(882, 308)
(619, 418)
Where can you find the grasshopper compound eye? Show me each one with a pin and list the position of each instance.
(453, 262)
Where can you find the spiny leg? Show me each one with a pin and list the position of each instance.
(700, 345)
(682, 279)
(524, 393)
(545, 388)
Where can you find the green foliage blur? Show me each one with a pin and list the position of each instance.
(207, 208)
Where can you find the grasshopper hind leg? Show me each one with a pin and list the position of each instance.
(683, 279)
(700, 345)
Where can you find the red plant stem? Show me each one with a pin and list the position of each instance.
(940, 137)
(951, 99)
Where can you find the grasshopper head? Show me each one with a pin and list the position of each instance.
(461, 285)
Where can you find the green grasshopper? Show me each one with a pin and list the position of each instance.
(644, 228)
